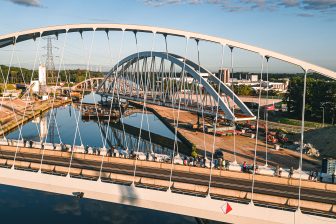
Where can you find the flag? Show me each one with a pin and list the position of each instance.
(226, 208)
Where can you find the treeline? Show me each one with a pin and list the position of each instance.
(321, 94)
(247, 90)
(17, 75)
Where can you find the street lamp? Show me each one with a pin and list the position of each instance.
(322, 116)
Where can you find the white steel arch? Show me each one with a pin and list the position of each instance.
(192, 69)
(16, 37)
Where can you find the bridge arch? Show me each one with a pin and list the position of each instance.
(194, 71)
(92, 83)
(9, 39)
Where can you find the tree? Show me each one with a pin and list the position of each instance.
(243, 90)
(320, 93)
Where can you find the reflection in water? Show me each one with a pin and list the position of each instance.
(93, 134)
(29, 206)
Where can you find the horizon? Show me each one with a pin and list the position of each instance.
(300, 29)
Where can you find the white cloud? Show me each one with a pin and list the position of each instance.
(246, 5)
(29, 3)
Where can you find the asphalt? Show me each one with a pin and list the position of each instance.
(185, 177)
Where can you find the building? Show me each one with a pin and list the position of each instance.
(275, 86)
(42, 75)
(224, 75)
(252, 77)
(329, 166)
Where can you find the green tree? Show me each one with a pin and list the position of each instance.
(243, 90)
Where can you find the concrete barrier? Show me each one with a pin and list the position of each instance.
(236, 175)
(49, 168)
(53, 153)
(200, 170)
(331, 187)
(22, 164)
(10, 162)
(61, 169)
(35, 166)
(310, 205)
(92, 157)
(123, 177)
(190, 187)
(182, 168)
(78, 156)
(75, 171)
(167, 166)
(267, 198)
(105, 175)
(121, 161)
(228, 192)
(30, 150)
(149, 164)
(65, 154)
(333, 209)
(155, 182)
(90, 173)
(3, 161)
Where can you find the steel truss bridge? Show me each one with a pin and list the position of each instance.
(166, 79)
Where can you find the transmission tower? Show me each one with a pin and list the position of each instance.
(50, 66)
(50, 76)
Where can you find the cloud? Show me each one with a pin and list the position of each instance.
(305, 15)
(28, 3)
(305, 7)
(319, 4)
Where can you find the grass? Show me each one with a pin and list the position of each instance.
(294, 122)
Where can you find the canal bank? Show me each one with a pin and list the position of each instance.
(13, 121)
(187, 143)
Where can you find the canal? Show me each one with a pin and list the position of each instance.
(61, 126)
(29, 206)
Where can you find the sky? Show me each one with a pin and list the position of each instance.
(305, 29)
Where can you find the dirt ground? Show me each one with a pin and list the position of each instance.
(323, 139)
(8, 106)
(244, 145)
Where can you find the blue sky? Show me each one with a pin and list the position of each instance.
(305, 29)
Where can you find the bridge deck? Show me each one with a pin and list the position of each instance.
(238, 184)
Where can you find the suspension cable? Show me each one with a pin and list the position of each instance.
(215, 123)
(20, 127)
(266, 112)
(115, 78)
(178, 114)
(144, 105)
(233, 108)
(81, 103)
(257, 130)
(6, 80)
(53, 101)
(302, 133)
(200, 92)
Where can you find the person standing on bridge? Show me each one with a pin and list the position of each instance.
(333, 178)
(220, 162)
(291, 171)
(244, 167)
